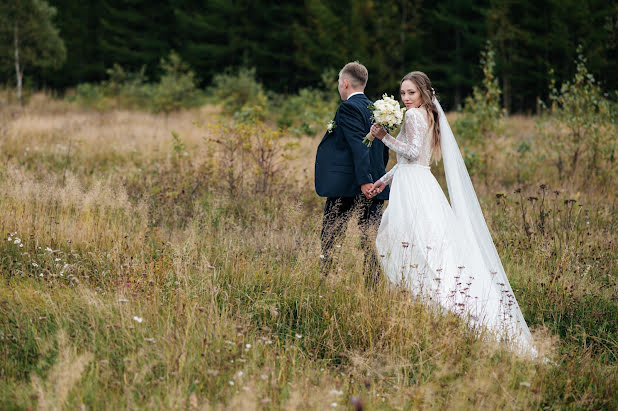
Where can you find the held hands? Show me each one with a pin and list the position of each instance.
(378, 131)
(372, 190)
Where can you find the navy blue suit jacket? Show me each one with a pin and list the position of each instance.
(343, 163)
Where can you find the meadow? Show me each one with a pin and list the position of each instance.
(170, 261)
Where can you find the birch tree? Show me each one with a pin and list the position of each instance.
(28, 37)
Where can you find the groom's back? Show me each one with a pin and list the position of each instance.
(343, 162)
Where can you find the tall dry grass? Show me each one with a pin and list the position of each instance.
(139, 281)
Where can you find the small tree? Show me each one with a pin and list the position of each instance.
(28, 37)
(481, 118)
(581, 107)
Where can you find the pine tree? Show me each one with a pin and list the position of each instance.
(135, 33)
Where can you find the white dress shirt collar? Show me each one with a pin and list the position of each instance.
(355, 93)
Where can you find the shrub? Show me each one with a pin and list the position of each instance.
(240, 94)
(582, 109)
(177, 87)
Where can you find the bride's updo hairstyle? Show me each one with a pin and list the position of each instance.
(427, 93)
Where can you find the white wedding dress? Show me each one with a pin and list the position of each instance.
(441, 253)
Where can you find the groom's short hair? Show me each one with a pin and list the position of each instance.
(356, 73)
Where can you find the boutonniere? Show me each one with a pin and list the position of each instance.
(331, 126)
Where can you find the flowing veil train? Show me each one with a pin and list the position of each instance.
(468, 212)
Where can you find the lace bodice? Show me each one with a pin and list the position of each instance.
(413, 144)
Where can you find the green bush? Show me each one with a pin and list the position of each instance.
(176, 89)
(482, 114)
(240, 94)
(582, 109)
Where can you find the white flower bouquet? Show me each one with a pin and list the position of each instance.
(388, 113)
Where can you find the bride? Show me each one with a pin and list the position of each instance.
(439, 251)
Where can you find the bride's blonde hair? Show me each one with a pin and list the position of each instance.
(427, 93)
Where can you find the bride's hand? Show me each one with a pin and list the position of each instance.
(377, 188)
(378, 131)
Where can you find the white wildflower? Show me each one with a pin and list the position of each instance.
(138, 319)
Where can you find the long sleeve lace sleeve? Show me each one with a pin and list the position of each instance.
(388, 177)
(409, 146)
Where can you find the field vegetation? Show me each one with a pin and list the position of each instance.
(155, 260)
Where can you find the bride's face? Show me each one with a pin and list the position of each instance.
(410, 95)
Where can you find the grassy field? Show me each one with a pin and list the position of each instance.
(145, 271)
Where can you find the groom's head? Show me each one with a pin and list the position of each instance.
(352, 78)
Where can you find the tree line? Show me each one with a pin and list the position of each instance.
(295, 44)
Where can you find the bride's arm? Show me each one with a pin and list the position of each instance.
(410, 146)
(388, 177)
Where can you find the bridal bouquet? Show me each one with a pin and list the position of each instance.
(387, 113)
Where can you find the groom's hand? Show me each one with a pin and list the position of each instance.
(377, 187)
(366, 189)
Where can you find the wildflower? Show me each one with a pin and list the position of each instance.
(49, 250)
(35, 265)
(21, 245)
(9, 239)
(17, 241)
(299, 336)
(231, 383)
(58, 259)
(247, 346)
(240, 374)
(138, 319)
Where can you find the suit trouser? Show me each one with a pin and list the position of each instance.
(337, 213)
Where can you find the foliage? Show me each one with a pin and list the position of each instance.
(584, 111)
(176, 89)
(28, 37)
(240, 93)
(249, 158)
(480, 119)
(290, 44)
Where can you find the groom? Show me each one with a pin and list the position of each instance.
(345, 169)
